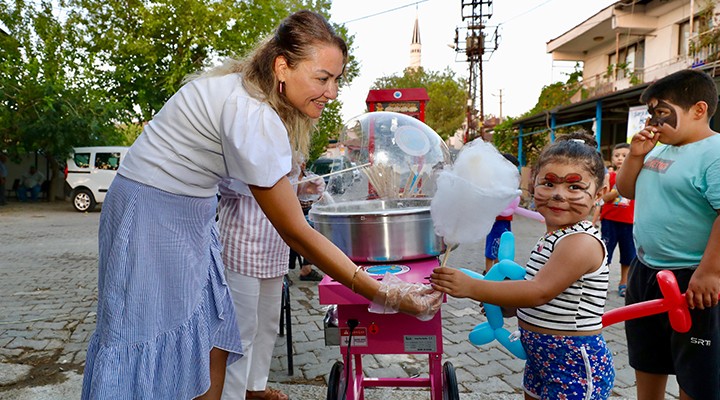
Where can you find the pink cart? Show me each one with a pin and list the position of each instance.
(382, 221)
(385, 334)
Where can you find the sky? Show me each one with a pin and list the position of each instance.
(516, 72)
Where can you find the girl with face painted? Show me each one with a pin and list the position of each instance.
(562, 298)
(676, 187)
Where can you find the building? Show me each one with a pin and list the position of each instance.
(622, 49)
(415, 46)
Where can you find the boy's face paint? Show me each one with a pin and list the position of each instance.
(662, 112)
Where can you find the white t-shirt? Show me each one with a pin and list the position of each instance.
(209, 130)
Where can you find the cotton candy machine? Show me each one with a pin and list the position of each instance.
(381, 220)
(379, 230)
(383, 213)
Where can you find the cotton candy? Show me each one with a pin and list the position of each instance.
(476, 189)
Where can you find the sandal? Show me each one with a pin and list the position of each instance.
(313, 276)
(621, 290)
(267, 394)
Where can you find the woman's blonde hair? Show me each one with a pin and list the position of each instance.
(295, 39)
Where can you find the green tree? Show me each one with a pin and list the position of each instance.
(146, 49)
(92, 71)
(554, 95)
(445, 111)
(328, 127)
(45, 105)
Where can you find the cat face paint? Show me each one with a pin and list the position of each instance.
(563, 199)
(569, 178)
(574, 181)
(662, 113)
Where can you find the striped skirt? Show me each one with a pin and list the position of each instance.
(163, 302)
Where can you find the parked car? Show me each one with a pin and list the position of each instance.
(335, 183)
(89, 172)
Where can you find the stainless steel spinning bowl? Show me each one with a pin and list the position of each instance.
(379, 230)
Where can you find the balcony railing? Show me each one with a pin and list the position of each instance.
(704, 47)
(603, 84)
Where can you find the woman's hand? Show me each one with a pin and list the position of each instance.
(416, 299)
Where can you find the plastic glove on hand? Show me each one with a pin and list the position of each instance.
(311, 186)
(416, 299)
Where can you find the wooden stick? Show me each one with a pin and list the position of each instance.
(371, 177)
(312, 178)
(448, 249)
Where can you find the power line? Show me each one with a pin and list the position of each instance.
(384, 12)
(525, 12)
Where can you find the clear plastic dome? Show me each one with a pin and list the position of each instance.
(397, 156)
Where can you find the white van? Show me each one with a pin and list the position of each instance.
(89, 173)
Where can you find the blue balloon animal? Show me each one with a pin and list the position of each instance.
(493, 329)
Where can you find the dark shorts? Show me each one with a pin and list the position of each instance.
(492, 241)
(618, 234)
(654, 347)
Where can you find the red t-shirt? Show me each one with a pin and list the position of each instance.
(620, 209)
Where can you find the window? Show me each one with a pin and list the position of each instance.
(685, 36)
(632, 60)
(700, 45)
(109, 161)
(82, 160)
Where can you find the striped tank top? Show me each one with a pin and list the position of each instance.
(580, 307)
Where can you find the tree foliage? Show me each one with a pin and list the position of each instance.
(145, 50)
(557, 94)
(45, 106)
(445, 111)
(91, 72)
(328, 128)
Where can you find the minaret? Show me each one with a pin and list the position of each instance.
(415, 46)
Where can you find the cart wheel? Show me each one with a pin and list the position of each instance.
(337, 382)
(449, 383)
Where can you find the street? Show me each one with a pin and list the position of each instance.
(48, 277)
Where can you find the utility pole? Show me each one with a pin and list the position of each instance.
(501, 103)
(476, 45)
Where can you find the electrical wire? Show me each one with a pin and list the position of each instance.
(352, 324)
(383, 12)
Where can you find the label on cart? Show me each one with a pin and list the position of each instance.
(359, 337)
(420, 343)
(380, 270)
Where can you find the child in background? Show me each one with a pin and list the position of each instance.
(562, 298)
(676, 229)
(616, 218)
(501, 225)
(600, 203)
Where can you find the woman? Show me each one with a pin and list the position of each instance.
(166, 325)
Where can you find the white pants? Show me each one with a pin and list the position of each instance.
(257, 306)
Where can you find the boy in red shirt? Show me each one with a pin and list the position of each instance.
(617, 217)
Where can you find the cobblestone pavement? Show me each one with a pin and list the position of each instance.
(48, 281)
